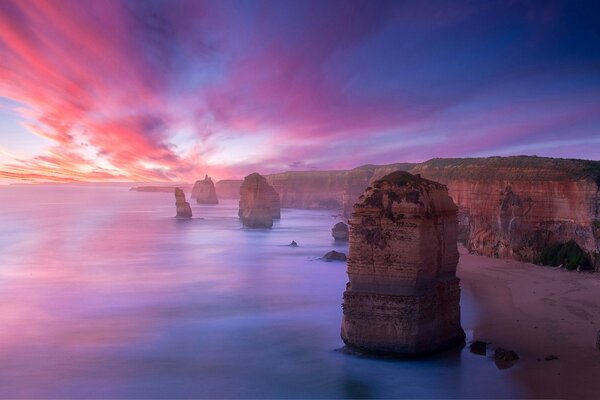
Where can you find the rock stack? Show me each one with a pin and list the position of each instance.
(183, 207)
(403, 295)
(204, 191)
(259, 202)
(340, 232)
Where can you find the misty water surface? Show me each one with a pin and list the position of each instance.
(104, 294)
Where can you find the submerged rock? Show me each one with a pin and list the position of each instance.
(204, 191)
(340, 232)
(478, 347)
(259, 202)
(183, 207)
(505, 358)
(293, 244)
(334, 256)
(403, 295)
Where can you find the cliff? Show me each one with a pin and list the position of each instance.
(259, 202)
(514, 207)
(310, 189)
(403, 295)
(228, 188)
(509, 207)
(160, 189)
(204, 191)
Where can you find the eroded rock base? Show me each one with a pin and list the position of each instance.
(408, 326)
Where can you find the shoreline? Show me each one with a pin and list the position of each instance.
(538, 312)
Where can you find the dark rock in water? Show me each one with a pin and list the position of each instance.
(340, 232)
(204, 191)
(183, 207)
(505, 358)
(293, 244)
(551, 357)
(478, 347)
(259, 202)
(334, 256)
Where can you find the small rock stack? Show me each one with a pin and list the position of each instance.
(183, 207)
(204, 191)
(403, 295)
(340, 232)
(259, 202)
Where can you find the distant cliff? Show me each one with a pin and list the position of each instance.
(161, 189)
(509, 207)
(514, 207)
(228, 188)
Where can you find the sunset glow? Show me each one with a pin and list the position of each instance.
(168, 91)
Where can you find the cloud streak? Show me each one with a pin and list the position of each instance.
(153, 90)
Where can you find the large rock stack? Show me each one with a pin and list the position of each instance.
(204, 191)
(403, 295)
(259, 202)
(183, 207)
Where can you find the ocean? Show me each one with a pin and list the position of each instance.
(103, 293)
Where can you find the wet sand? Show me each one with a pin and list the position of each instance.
(538, 311)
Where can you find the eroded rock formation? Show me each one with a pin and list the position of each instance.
(340, 232)
(509, 207)
(403, 295)
(259, 202)
(183, 207)
(204, 191)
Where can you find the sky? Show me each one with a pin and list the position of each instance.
(172, 90)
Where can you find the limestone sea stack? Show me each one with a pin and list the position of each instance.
(183, 207)
(403, 296)
(259, 202)
(340, 232)
(204, 191)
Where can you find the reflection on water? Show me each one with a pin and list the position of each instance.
(104, 294)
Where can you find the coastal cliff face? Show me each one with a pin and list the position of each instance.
(515, 207)
(310, 189)
(183, 207)
(403, 295)
(228, 188)
(259, 202)
(204, 191)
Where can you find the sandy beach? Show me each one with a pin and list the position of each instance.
(538, 311)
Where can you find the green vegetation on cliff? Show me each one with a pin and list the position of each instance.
(568, 254)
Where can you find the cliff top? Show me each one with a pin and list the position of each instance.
(514, 168)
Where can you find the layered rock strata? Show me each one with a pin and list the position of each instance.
(259, 202)
(204, 191)
(509, 207)
(403, 295)
(228, 188)
(183, 207)
(340, 232)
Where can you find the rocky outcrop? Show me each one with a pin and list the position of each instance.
(259, 202)
(340, 232)
(509, 207)
(334, 256)
(204, 191)
(403, 295)
(228, 188)
(183, 207)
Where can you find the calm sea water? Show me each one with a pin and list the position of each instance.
(104, 294)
